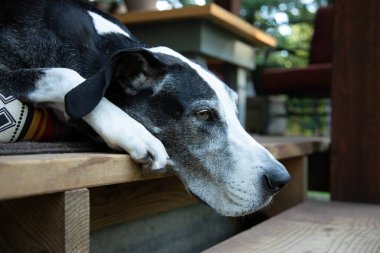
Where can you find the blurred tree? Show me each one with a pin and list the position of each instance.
(290, 22)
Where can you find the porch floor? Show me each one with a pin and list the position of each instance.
(312, 227)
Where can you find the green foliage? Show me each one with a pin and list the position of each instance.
(262, 12)
(290, 22)
(294, 47)
(308, 116)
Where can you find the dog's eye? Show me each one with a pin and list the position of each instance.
(203, 115)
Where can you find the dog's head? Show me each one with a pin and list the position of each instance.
(194, 114)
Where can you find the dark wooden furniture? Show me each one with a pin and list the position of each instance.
(355, 165)
(232, 6)
(313, 80)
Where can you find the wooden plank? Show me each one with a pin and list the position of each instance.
(288, 147)
(77, 220)
(333, 227)
(49, 173)
(200, 38)
(49, 223)
(211, 12)
(355, 159)
(295, 192)
(123, 202)
(46, 173)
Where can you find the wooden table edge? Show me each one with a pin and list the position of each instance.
(211, 12)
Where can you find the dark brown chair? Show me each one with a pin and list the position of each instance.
(313, 80)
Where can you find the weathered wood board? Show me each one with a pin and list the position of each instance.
(49, 173)
(119, 203)
(318, 227)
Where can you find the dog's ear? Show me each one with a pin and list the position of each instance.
(132, 69)
(137, 71)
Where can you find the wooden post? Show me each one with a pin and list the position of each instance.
(51, 223)
(230, 5)
(237, 78)
(355, 159)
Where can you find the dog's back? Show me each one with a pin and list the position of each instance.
(57, 33)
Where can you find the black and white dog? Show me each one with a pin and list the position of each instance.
(151, 102)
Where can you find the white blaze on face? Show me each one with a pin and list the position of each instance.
(237, 134)
(104, 26)
(228, 107)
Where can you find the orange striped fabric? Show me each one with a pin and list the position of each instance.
(41, 127)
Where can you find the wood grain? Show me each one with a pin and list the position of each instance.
(355, 159)
(29, 175)
(60, 222)
(50, 223)
(329, 227)
(123, 202)
(77, 220)
(210, 12)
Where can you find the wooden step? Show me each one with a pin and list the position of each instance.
(43, 192)
(312, 227)
(50, 173)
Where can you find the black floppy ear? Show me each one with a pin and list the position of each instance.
(132, 69)
(136, 71)
(85, 97)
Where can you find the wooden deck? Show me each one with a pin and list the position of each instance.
(318, 227)
(52, 201)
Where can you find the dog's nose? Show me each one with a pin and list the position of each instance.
(276, 179)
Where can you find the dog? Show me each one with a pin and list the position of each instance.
(150, 102)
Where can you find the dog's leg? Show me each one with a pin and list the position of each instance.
(115, 126)
(123, 132)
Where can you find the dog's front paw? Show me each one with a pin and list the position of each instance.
(120, 131)
(145, 149)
